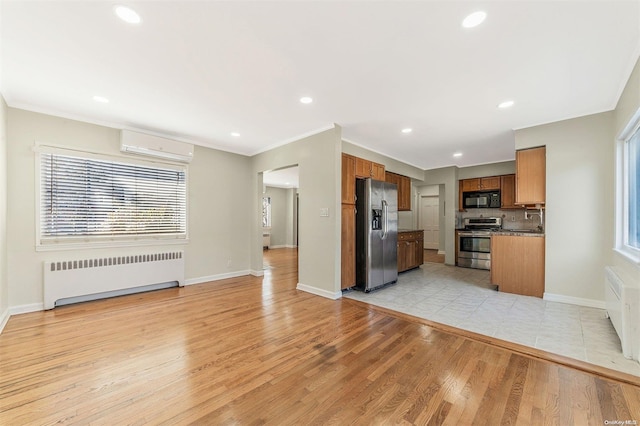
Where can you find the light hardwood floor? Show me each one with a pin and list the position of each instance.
(252, 351)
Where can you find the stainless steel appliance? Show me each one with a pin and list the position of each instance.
(474, 242)
(484, 199)
(376, 234)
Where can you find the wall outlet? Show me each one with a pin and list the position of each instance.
(513, 218)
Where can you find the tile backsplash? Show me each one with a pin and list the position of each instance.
(511, 219)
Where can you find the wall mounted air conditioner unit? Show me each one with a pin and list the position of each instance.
(154, 146)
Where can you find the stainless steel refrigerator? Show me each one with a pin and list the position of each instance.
(376, 234)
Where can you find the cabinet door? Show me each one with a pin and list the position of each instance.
(508, 192)
(517, 264)
(410, 254)
(348, 246)
(404, 193)
(490, 183)
(363, 168)
(419, 248)
(530, 176)
(402, 258)
(469, 185)
(348, 179)
(377, 171)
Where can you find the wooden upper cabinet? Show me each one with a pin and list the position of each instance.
(490, 183)
(508, 192)
(348, 179)
(404, 189)
(369, 169)
(480, 184)
(377, 171)
(470, 185)
(531, 176)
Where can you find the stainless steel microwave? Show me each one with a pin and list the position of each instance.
(484, 199)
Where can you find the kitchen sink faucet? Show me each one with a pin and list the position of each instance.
(528, 216)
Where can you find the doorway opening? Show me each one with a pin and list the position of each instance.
(429, 220)
(279, 214)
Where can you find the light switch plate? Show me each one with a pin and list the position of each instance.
(324, 212)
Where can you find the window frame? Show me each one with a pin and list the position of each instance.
(622, 245)
(103, 241)
(266, 212)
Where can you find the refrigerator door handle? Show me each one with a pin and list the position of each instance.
(385, 212)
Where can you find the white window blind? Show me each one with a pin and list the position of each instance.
(87, 197)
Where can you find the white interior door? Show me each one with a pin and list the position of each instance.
(430, 221)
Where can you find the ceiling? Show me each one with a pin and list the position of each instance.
(199, 71)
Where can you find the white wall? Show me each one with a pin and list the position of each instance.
(319, 160)
(579, 200)
(4, 285)
(219, 206)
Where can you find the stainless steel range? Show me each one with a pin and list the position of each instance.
(474, 242)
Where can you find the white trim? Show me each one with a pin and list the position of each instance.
(257, 273)
(4, 318)
(319, 292)
(628, 256)
(442, 252)
(591, 303)
(217, 277)
(24, 309)
(282, 246)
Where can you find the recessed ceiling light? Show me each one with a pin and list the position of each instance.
(407, 130)
(235, 134)
(505, 104)
(475, 19)
(457, 154)
(101, 99)
(306, 100)
(127, 14)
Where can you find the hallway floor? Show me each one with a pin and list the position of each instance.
(464, 298)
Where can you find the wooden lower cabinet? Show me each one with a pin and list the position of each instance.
(517, 264)
(348, 246)
(410, 250)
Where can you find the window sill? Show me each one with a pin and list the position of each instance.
(62, 246)
(629, 256)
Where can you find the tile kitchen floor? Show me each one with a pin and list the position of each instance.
(464, 298)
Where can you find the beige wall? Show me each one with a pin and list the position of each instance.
(281, 215)
(4, 284)
(219, 205)
(579, 216)
(390, 164)
(628, 105)
(319, 160)
(493, 169)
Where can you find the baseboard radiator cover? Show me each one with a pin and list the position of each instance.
(77, 280)
(623, 308)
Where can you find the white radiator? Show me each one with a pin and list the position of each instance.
(623, 308)
(94, 278)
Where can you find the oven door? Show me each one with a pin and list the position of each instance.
(474, 250)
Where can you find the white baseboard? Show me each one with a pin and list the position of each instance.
(442, 252)
(217, 277)
(4, 318)
(24, 309)
(319, 291)
(259, 273)
(600, 304)
(282, 246)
